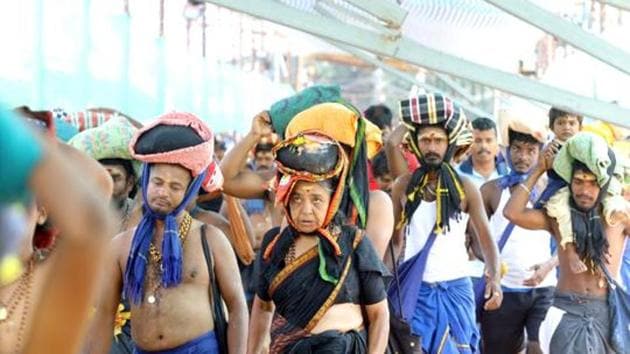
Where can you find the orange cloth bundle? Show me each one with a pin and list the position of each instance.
(240, 241)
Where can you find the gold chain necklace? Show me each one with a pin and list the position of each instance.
(22, 291)
(290, 256)
(184, 227)
(156, 257)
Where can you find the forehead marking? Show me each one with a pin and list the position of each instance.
(585, 176)
(432, 135)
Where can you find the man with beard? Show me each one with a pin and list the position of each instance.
(528, 283)
(435, 204)
(589, 220)
(124, 178)
(163, 266)
(109, 145)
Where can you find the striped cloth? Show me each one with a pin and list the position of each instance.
(433, 109)
(85, 120)
(438, 110)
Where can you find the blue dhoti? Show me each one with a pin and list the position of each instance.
(206, 343)
(445, 317)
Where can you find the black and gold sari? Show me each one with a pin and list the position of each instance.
(343, 267)
(302, 295)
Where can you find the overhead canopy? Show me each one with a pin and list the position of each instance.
(361, 25)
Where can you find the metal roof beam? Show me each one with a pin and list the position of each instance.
(620, 4)
(389, 12)
(319, 26)
(368, 58)
(412, 52)
(567, 31)
(455, 86)
(330, 9)
(379, 7)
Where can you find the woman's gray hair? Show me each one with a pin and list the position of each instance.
(329, 184)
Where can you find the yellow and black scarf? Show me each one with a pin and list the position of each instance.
(436, 110)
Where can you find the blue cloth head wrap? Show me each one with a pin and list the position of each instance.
(172, 254)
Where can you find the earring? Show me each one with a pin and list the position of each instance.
(39, 254)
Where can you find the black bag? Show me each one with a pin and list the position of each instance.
(220, 323)
(401, 338)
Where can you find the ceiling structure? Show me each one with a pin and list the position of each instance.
(450, 37)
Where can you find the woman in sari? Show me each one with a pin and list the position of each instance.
(320, 283)
(323, 109)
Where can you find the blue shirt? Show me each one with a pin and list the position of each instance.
(477, 179)
(501, 168)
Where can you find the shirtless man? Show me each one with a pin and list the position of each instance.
(74, 191)
(578, 321)
(262, 212)
(160, 266)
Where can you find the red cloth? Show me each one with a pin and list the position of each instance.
(86, 120)
(412, 161)
(371, 180)
(412, 164)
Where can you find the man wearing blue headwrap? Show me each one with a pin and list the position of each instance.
(162, 265)
(528, 283)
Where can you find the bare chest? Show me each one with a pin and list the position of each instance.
(17, 305)
(169, 316)
(591, 282)
(194, 266)
(194, 276)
